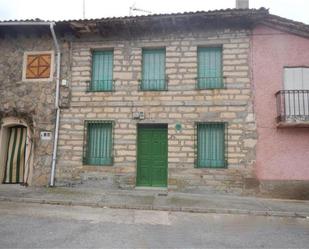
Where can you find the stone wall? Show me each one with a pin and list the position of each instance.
(182, 103)
(32, 101)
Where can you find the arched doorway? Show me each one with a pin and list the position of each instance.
(15, 151)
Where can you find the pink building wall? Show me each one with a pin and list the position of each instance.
(281, 153)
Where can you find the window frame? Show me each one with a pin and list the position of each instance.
(141, 88)
(292, 67)
(225, 129)
(222, 84)
(292, 101)
(52, 66)
(89, 88)
(86, 142)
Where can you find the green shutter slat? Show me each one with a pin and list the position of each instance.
(102, 71)
(153, 71)
(210, 68)
(99, 143)
(211, 145)
(20, 142)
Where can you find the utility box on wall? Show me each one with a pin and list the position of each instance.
(46, 135)
(138, 115)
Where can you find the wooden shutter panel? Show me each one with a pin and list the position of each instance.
(210, 68)
(102, 71)
(38, 66)
(99, 143)
(211, 145)
(153, 71)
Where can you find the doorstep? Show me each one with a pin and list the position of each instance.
(151, 188)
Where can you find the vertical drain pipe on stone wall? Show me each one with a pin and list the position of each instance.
(54, 158)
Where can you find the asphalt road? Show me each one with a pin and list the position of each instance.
(49, 226)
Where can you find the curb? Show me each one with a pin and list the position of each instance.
(159, 208)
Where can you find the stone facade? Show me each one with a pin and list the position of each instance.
(181, 103)
(244, 58)
(30, 101)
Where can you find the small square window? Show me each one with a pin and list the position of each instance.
(38, 66)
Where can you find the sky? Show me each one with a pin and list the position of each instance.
(73, 9)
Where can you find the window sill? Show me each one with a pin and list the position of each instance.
(100, 91)
(98, 164)
(213, 88)
(153, 90)
(224, 166)
(38, 80)
(212, 168)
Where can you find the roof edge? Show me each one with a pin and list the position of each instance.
(287, 25)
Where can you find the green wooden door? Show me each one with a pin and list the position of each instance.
(152, 156)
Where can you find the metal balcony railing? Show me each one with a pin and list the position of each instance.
(101, 85)
(153, 84)
(209, 82)
(292, 105)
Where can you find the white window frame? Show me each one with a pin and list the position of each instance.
(51, 76)
(289, 100)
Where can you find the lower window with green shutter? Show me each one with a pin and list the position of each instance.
(98, 144)
(211, 145)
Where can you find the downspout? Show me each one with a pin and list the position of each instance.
(51, 26)
(53, 167)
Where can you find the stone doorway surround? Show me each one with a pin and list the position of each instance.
(6, 123)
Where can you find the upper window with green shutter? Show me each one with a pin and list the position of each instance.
(98, 144)
(153, 71)
(211, 145)
(102, 71)
(209, 68)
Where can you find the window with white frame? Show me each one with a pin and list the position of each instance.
(296, 95)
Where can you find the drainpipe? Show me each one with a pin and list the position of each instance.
(58, 61)
(53, 168)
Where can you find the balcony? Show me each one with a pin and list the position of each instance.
(293, 108)
(107, 85)
(153, 84)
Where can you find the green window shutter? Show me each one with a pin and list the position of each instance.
(153, 71)
(211, 145)
(209, 68)
(99, 143)
(102, 71)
